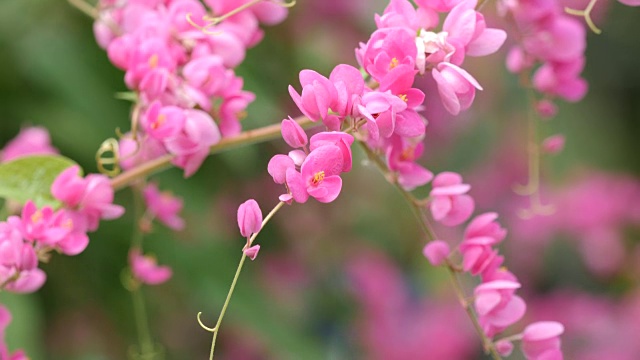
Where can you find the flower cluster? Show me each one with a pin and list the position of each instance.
(188, 94)
(556, 42)
(30, 237)
(495, 301)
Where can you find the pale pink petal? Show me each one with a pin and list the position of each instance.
(436, 252)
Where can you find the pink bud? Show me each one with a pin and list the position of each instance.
(293, 133)
(546, 109)
(249, 218)
(252, 252)
(436, 252)
(504, 347)
(553, 144)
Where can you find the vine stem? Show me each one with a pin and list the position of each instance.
(139, 308)
(216, 329)
(532, 189)
(249, 137)
(416, 207)
(85, 7)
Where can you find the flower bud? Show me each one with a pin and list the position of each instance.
(249, 218)
(293, 133)
(553, 144)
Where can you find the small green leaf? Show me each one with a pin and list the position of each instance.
(30, 178)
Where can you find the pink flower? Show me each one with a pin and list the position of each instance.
(91, 197)
(386, 50)
(293, 134)
(164, 206)
(278, 166)
(207, 74)
(449, 203)
(401, 157)
(349, 85)
(191, 145)
(318, 96)
(562, 79)
(630, 2)
(457, 88)
(28, 281)
(249, 218)
(541, 341)
(146, 270)
(497, 306)
(481, 234)
(380, 110)
(467, 29)
(553, 144)
(436, 252)
(337, 138)
(319, 176)
(30, 141)
(163, 122)
(438, 5)
(561, 39)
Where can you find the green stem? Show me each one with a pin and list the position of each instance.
(249, 137)
(139, 310)
(216, 329)
(142, 325)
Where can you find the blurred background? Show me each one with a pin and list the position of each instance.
(345, 280)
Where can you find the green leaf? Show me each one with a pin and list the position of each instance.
(30, 178)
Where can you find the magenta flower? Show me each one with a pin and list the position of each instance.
(293, 134)
(468, 31)
(449, 203)
(436, 252)
(562, 79)
(337, 138)
(386, 50)
(497, 306)
(319, 95)
(164, 206)
(278, 166)
(541, 341)
(438, 5)
(30, 141)
(91, 197)
(478, 256)
(457, 88)
(146, 270)
(191, 145)
(207, 74)
(249, 218)
(380, 110)
(319, 176)
(349, 85)
(163, 122)
(401, 157)
(28, 281)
